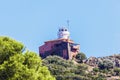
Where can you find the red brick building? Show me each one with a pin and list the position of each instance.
(63, 46)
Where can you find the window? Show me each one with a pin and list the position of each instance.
(65, 29)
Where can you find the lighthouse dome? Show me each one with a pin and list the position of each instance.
(63, 33)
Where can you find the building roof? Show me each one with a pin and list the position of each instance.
(65, 40)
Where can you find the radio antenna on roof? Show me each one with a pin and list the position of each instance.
(68, 23)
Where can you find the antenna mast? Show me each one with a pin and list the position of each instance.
(68, 23)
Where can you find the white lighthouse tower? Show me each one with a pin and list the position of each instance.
(63, 33)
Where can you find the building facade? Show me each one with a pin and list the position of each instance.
(63, 46)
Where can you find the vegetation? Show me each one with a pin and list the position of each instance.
(64, 69)
(105, 64)
(117, 71)
(14, 65)
(80, 57)
(108, 67)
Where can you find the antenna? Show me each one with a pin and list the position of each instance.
(68, 23)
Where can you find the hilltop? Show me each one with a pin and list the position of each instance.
(101, 68)
(19, 63)
(109, 66)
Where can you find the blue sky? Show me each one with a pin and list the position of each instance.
(94, 24)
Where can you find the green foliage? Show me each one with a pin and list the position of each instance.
(32, 60)
(9, 47)
(99, 77)
(117, 71)
(14, 65)
(17, 66)
(80, 57)
(64, 69)
(105, 64)
(96, 69)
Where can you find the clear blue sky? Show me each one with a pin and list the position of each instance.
(94, 24)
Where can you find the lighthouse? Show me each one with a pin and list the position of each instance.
(63, 33)
(63, 46)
